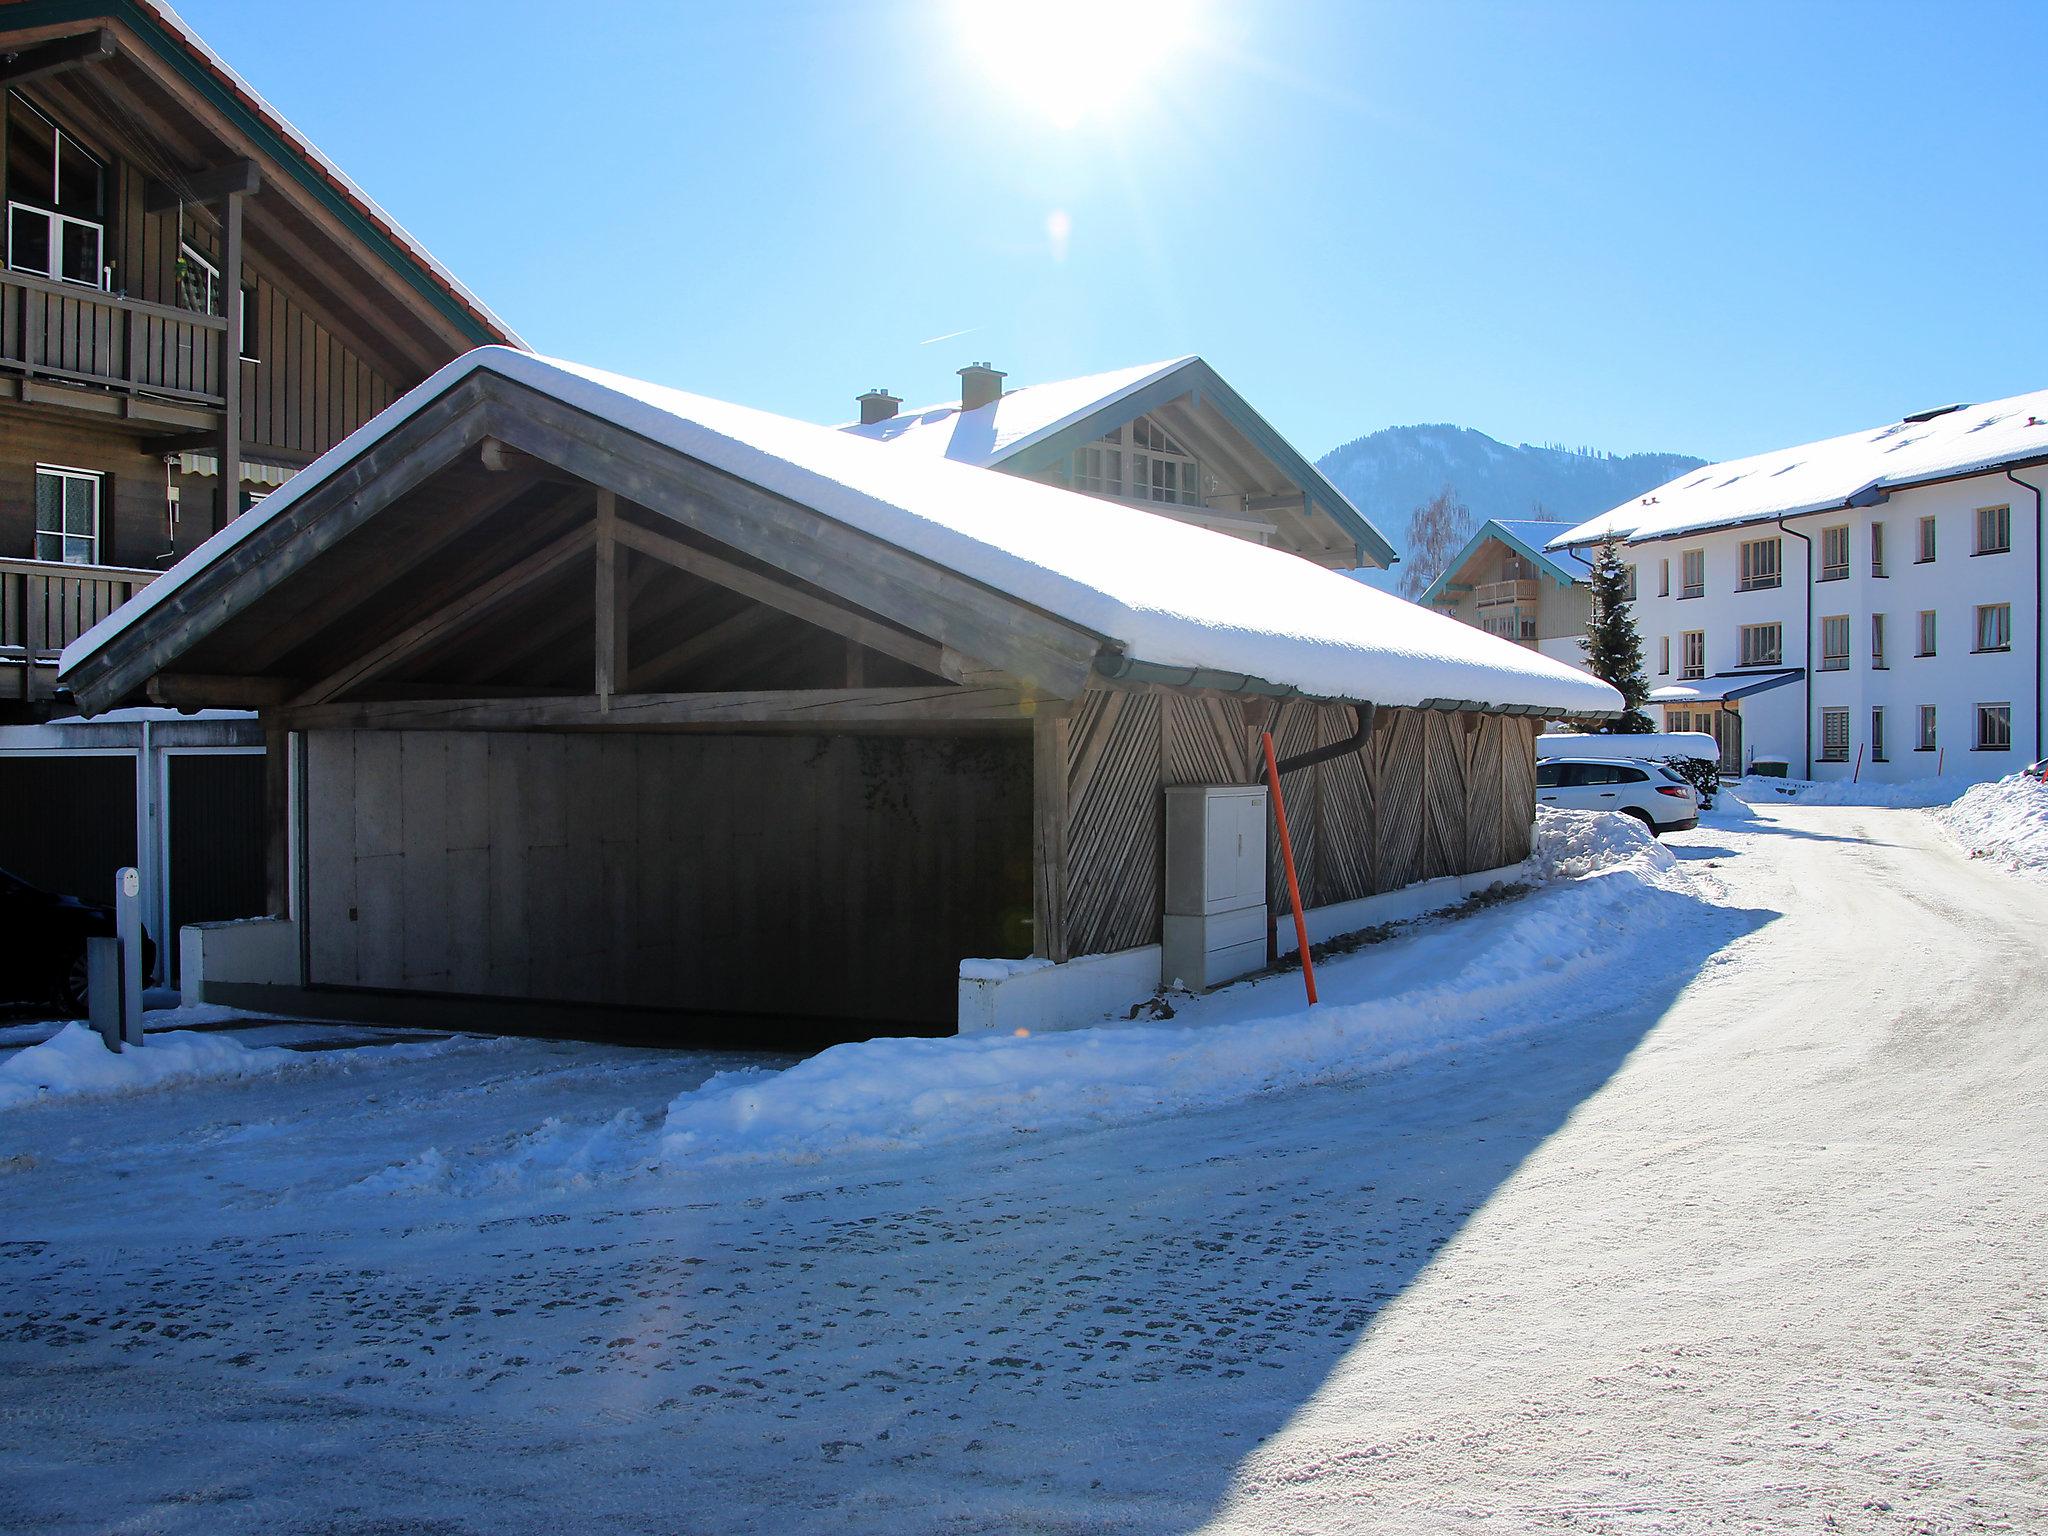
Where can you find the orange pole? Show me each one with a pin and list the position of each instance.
(1308, 966)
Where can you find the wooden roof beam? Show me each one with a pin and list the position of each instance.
(797, 709)
(232, 178)
(66, 53)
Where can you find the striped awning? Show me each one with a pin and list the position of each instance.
(254, 472)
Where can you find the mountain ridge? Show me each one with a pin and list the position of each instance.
(1389, 473)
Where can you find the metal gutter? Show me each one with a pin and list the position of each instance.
(1117, 667)
(1806, 671)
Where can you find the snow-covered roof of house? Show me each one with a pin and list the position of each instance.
(1527, 537)
(1854, 470)
(1032, 421)
(1156, 590)
(201, 53)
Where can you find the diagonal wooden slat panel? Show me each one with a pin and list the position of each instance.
(1297, 730)
(1482, 809)
(1116, 810)
(1443, 833)
(1518, 789)
(1344, 805)
(1398, 762)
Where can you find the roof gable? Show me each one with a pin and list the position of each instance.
(1038, 426)
(1527, 538)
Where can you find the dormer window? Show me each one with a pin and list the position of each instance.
(56, 200)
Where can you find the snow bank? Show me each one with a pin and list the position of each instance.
(1570, 845)
(1616, 889)
(1907, 794)
(2006, 822)
(74, 1062)
(555, 1156)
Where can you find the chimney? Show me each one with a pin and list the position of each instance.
(979, 385)
(876, 405)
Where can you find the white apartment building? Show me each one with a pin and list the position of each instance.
(1867, 606)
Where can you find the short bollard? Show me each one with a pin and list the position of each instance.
(128, 925)
(103, 988)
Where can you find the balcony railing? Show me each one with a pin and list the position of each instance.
(44, 607)
(79, 335)
(1488, 594)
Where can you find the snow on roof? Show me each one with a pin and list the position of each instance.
(1814, 477)
(1015, 420)
(1537, 533)
(182, 30)
(1166, 592)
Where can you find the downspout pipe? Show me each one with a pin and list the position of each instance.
(1806, 672)
(1363, 718)
(2040, 700)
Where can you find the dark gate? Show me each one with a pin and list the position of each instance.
(67, 823)
(215, 814)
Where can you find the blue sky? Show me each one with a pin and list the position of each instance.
(1702, 228)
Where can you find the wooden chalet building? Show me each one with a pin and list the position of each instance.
(1172, 437)
(710, 721)
(194, 303)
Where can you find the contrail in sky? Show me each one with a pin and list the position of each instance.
(949, 335)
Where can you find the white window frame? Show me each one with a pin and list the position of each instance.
(1930, 632)
(1877, 661)
(1986, 715)
(1132, 441)
(1877, 549)
(189, 252)
(1663, 655)
(1692, 653)
(1930, 729)
(2000, 542)
(65, 474)
(1692, 573)
(1834, 658)
(1664, 577)
(1994, 628)
(1877, 754)
(1748, 578)
(1834, 735)
(1929, 546)
(1756, 654)
(1834, 553)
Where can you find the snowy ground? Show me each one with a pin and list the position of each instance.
(1676, 1199)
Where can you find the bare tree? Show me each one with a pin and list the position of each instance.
(1437, 530)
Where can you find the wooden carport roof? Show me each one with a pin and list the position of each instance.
(539, 543)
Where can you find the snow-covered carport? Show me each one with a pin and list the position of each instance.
(585, 695)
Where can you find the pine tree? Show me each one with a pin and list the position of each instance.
(1613, 648)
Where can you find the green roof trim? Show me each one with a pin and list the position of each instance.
(172, 50)
(1198, 379)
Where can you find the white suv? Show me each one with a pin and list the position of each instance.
(1652, 793)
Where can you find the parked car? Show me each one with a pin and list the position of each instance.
(1656, 795)
(42, 943)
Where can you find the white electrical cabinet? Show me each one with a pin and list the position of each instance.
(1215, 928)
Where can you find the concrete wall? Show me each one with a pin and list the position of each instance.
(816, 876)
(1954, 679)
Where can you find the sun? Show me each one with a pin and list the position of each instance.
(1074, 61)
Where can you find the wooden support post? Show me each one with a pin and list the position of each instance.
(611, 603)
(277, 822)
(1051, 732)
(231, 360)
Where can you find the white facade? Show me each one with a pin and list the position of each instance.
(1863, 702)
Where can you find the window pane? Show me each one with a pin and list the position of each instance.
(81, 502)
(81, 253)
(78, 551)
(78, 181)
(31, 155)
(49, 546)
(1113, 471)
(28, 241)
(49, 503)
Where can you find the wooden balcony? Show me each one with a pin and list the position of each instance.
(1491, 594)
(66, 334)
(44, 607)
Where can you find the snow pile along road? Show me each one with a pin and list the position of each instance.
(1908, 794)
(1513, 969)
(76, 1062)
(2005, 822)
